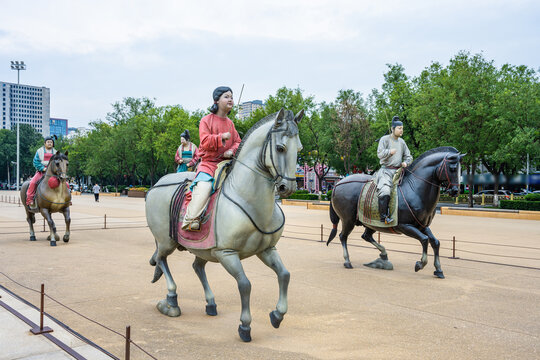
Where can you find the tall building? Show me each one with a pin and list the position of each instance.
(26, 104)
(58, 127)
(246, 108)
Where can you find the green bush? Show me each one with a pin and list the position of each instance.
(328, 195)
(520, 204)
(304, 196)
(462, 198)
(301, 192)
(532, 197)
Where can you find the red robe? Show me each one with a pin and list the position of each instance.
(212, 147)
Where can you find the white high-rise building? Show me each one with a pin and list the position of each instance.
(246, 108)
(26, 104)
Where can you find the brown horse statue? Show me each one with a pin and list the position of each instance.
(50, 199)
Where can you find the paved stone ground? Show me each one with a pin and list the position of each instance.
(482, 310)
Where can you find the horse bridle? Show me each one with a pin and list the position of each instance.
(444, 166)
(275, 180)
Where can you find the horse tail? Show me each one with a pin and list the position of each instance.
(334, 218)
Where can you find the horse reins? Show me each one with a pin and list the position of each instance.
(275, 179)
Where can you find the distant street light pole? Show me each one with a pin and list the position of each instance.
(18, 65)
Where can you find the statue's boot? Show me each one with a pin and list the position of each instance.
(199, 198)
(385, 203)
(382, 209)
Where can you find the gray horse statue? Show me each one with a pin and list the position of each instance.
(418, 193)
(51, 199)
(247, 219)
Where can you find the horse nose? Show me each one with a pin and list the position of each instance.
(282, 188)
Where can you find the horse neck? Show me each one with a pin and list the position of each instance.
(248, 179)
(423, 180)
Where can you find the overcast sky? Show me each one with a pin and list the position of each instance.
(94, 53)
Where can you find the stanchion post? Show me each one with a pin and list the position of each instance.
(379, 237)
(322, 233)
(454, 248)
(105, 221)
(19, 202)
(128, 340)
(41, 329)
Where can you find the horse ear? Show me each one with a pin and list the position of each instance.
(461, 156)
(279, 118)
(299, 116)
(66, 153)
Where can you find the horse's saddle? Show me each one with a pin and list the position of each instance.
(368, 204)
(204, 238)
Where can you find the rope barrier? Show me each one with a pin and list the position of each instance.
(81, 315)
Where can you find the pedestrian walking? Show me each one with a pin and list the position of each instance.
(96, 190)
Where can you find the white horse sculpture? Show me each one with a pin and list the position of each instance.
(248, 221)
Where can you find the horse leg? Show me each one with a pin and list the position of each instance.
(53, 236)
(231, 262)
(270, 257)
(346, 229)
(413, 232)
(31, 219)
(435, 244)
(382, 262)
(67, 219)
(199, 265)
(168, 306)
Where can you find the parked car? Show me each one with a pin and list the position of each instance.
(503, 195)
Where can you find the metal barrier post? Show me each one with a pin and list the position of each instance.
(41, 329)
(457, 199)
(128, 340)
(454, 248)
(483, 199)
(105, 221)
(379, 237)
(322, 233)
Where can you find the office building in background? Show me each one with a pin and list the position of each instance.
(58, 127)
(26, 104)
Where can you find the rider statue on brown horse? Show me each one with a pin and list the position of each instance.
(48, 192)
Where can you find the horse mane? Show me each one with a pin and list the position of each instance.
(57, 155)
(440, 149)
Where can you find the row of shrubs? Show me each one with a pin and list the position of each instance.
(530, 202)
(305, 195)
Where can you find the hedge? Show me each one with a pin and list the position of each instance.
(303, 196)
(532, 197)
(520, 205)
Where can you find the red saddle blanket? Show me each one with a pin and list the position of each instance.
(205, 238)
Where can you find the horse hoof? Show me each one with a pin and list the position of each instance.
(380, 264)
(66, 238)
(53, 243)
(166, 309)
(418, 266)
(348, 265)
(211, 310)
(274, 319)
(32, 238)
(245, 333)
(439, 274)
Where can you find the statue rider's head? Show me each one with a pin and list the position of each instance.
(223, 100)
(184, 137)
(397, 127)
(49, 142)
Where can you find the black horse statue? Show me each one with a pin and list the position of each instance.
(418, 194)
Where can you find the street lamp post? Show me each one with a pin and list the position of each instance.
(18, 65)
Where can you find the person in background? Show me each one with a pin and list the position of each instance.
(96, 189)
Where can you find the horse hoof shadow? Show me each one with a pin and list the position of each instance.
(166, 309)
(211, 310)
(438, 274)
(245, 333)
(348, 265)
